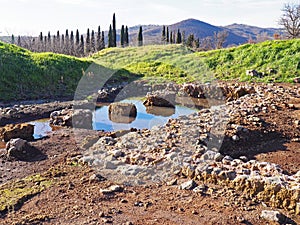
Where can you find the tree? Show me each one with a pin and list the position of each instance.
(178, 37)
(12, 39)
(93, 46)
(19, 41)
(167, 39)
(126, 40)
(110, 37)
(67, 42)
(220, 38)
(163, 34)
(122, 36)
(102, 45)
(49, 42)
(114, 32)
(58, 44)
(140, 37)
(77, 43)
(290, 20)
(81, 48)
(98, 41)
(190, 41)
(72, 49)
(171, 37)
(88, 42)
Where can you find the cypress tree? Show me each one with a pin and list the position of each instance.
(98, 45)
(163, 34)
(62, 44)
(93, 46)
(67, 43)
(126, 36)
(110, 37)
(88, 42)
(81, 46)
(114, 32)
(58, 47)
(12, 39)
(72, 50)
(19, 41)
(122, 36)
(77, 41)
(171, 37)
(102, 45)
(140, 37)
(167, 35)
(178, 38)
(48, 47)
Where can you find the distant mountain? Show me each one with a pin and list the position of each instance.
(190, 26)
(237, 33)
(247, 31)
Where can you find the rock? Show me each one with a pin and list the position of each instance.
(22, 150)
(161, 99)
(79, 118)
(209, 155)
(24, 131)
(160, 111)
(96, 178)
(297, 210)
(235, 138)
(274, 216)
(218, 157)
(297, 80)
(112, 189)
(193, 90)
(189, 185)
(122, 112)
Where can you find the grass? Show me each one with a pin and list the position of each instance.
(27, 75)
(14, 193)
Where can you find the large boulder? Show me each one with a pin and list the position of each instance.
(193, 90)
(24, 131)
(161, 99)
(79, 118)
(20, 149)
(120, 112)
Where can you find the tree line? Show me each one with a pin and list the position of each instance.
(74, 43)
(179, 37)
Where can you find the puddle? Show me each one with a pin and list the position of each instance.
(147, 117)
(41, 128)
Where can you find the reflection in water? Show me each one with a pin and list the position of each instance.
(144, 119)
(160, 111)
(41, 128)
(121, 119)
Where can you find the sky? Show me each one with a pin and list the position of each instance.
(30, 17)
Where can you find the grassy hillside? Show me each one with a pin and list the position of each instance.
(177, 63)
(27, 75)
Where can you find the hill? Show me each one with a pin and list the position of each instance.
(27, 75)
(179, 64)
(247, 31)
(152, 34)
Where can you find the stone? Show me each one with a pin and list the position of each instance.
(96, 178)
(22, 150)
(274, 216)
(208, 155)
(218, 157)
(112, 189)
(189, 185)
(24, 131)
(297, 209)
(120, 112)
(78, 118)
(161, 99)
(235, 138)
(297, 80)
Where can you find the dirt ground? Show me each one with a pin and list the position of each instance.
(74, 198)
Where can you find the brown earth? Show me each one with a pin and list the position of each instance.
(72, 198)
